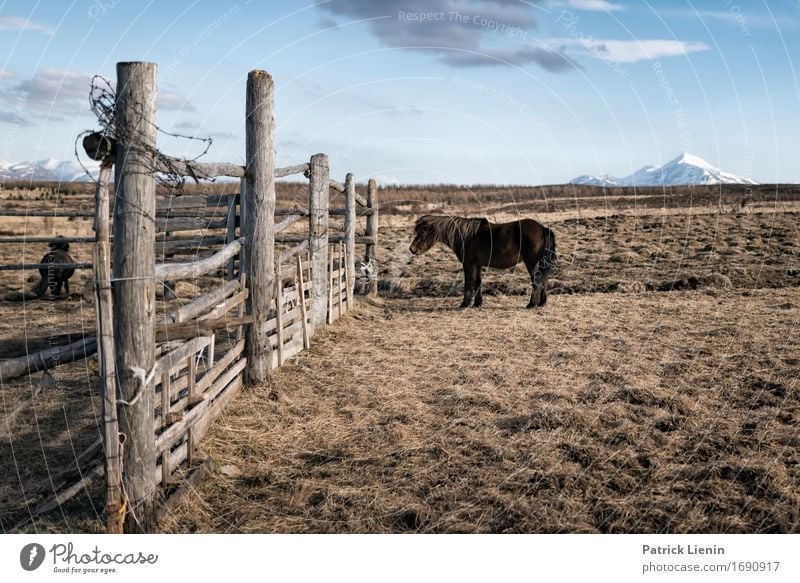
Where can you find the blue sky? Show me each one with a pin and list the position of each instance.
(457, 91)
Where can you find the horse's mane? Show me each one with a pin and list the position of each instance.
(450, 230)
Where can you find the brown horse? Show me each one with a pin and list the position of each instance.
(478, 243)
(52, 278)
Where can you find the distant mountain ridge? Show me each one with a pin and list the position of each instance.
(47, 170)
(686, 169)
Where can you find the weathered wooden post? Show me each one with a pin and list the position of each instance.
(319, 177)
(372, 231)
(105, 352)
(258, 202)
(350, 232)
(134, 286)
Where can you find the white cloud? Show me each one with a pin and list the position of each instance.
(4, 74)
(56, 89)
(595, 5)
(18, 23)
(63, 94)
(55, 93)
(735, 17)
(632, 51)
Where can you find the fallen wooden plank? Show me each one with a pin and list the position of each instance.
(56, 480)
(46, 359)
(12, 348)
(58, 499)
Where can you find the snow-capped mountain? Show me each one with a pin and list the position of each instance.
(49, 170)
(683, 170)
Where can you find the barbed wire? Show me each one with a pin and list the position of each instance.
(168, 171)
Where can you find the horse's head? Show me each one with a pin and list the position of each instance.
(59, 245)
(424, 236)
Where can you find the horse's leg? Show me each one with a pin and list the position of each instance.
(57, 290)
(478, 295)
(535, 298)
(66, 286)
(531, 264)
(543, 294)
(469, 283)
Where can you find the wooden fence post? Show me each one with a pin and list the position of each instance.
(350, 232)
(134, 286)
(259, 200)
(104, 312)
(372, 231)
(319, 179)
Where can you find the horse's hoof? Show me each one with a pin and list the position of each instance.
(531, 306)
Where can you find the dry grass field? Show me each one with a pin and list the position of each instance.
(656, 392)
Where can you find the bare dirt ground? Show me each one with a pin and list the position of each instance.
(657, 392)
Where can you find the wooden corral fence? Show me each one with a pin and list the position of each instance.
(279, 275)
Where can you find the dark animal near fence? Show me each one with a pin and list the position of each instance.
(478, 243)
(51, 277)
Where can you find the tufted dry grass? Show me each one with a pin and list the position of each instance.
(656, 412)
(621, 407)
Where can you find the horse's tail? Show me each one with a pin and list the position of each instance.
(547, 258)
(41, 288)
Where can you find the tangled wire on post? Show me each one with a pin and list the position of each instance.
(100, 144)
